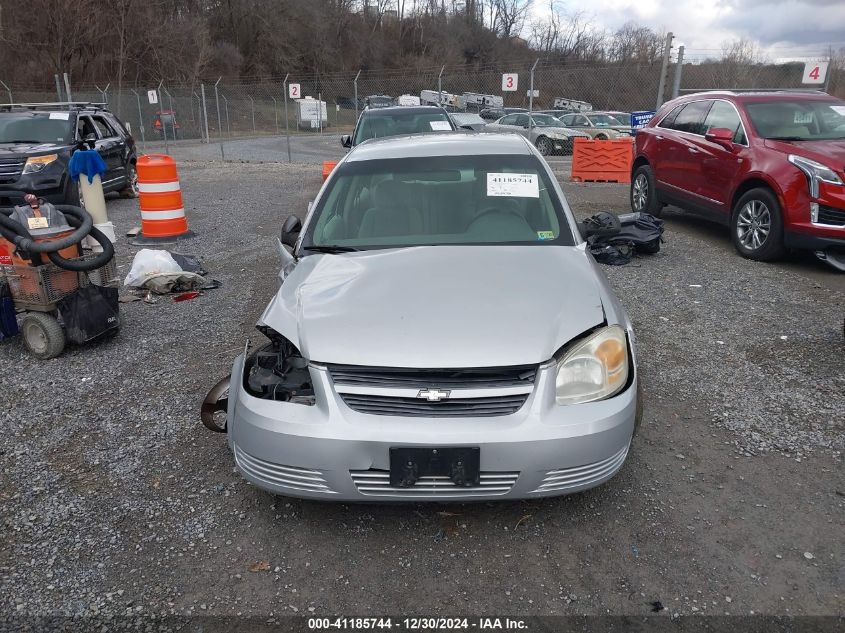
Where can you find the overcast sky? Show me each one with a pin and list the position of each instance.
(782, 27)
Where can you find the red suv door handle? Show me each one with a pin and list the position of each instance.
(692, 150)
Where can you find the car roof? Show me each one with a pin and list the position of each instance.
(419, 109)
(759, 95)
(446, 144)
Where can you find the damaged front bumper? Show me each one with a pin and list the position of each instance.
(330, 451)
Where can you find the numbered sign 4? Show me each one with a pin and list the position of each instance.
(815, 72)
(294, 91)
(509, 82)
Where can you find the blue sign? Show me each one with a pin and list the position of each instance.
(640, 120)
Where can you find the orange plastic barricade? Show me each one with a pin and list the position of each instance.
(328, 165)
(602, 161)
(162, 210)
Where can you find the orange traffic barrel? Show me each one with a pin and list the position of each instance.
(328, 166)
(162, 210)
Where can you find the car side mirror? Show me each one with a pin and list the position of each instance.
(721, 136)
(607, 225)
(290, 230)
(466, 127)
(346, 140)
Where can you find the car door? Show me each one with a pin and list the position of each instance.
(110, 145)
(720, 167)
(521, 125)
(505, 124)
(682, 166)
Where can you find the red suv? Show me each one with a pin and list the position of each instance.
(771, 165)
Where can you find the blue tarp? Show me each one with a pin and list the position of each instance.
(88, 162)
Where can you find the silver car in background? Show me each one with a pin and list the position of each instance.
(440, 333)
(545, 132)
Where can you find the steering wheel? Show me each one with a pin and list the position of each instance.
(494, 209)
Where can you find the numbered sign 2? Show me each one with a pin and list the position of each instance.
(294, 91)
(509, 82)
(814, 72)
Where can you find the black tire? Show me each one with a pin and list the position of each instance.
(73, 196)
(757, 226)
(544, 146)
(131, 188)
(42, 335)
(643, 192)
(600, 137)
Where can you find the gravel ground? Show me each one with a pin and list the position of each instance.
(117, 503)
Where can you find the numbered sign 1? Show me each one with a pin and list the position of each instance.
(152, 96)
(294, 91)
(509, 82)
(815, 72)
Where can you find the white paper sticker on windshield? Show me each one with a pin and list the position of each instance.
(803, 117)
(513, 185)
(440, 126)
(62, 116)
(838, 109)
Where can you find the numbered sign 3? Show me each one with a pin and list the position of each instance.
(509, 82)
(815, 72)
(294, 91)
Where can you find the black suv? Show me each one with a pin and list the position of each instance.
(398, 121)
(37, 140)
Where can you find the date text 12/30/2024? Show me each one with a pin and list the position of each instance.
(416, 624)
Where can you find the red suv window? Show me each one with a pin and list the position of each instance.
(691, 117)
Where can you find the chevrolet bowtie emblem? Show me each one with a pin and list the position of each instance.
(434, 395)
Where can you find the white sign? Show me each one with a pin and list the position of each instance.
(509, 82)
(513, 185)
(294, 91)
(152, 96)
(535, 95)
(63, 116)
(814, 72)
(440, 126)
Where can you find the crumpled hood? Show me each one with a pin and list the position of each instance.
(440, 306)
(28, 149)
(561, 131)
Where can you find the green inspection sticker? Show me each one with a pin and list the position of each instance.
(545, 235)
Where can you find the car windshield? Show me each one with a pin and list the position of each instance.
(623, 117)
(798, 120)
(41, 127)
(382, 125)
(604, 120)
(545, 120)
(495, 199)
(467, 119)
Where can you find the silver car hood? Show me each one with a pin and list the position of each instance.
(438, 306)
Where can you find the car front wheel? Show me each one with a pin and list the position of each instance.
(643, 192)
(757, 226)
(544, 146)
(131, 188)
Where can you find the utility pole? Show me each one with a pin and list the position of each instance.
(667, 52)
(679, 69)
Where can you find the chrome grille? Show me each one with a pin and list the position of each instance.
(481, 377)
(376, 483)
(831, 216)
(577, 476)
(11, 168)
(290, 477)
(417, 407)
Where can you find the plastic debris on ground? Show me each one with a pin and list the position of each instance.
(162, 272)
(640, 233)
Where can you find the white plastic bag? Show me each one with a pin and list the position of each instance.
(148, 263)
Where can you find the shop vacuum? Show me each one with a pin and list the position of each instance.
(60, 291)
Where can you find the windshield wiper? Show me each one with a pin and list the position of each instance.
(330, 248)
(787, 138)
(18, 140)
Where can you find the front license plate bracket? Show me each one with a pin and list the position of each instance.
(461, 464)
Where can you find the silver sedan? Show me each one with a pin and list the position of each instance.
(440, 333)
(546, 132)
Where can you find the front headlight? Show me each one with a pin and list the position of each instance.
(39, 163)
(815, 172)
(595, 368)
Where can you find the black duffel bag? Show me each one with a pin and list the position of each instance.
(90, 312)
(639, 233)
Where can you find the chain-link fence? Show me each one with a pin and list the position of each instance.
(222, 111)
